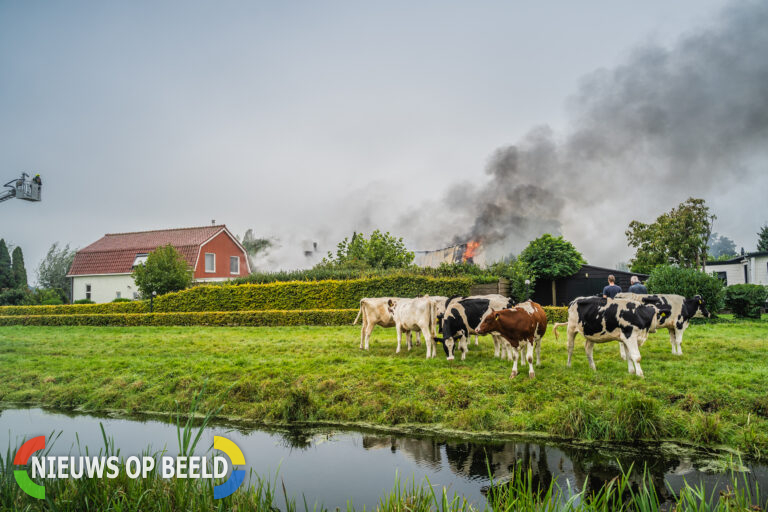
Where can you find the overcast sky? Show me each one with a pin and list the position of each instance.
(302, 120)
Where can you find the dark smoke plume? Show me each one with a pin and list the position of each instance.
(668, 124)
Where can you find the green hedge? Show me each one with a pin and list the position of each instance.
(212, 318)
(77, 309)
(331, 294)
(746, 300)
(556, 313)
(221, 318)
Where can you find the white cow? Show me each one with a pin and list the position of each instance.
(415, 315)
(375, 311)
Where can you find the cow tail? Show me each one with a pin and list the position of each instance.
(555, 326)
(359, 313)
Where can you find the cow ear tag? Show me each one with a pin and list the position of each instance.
(497, 316)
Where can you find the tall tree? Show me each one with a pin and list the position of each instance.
(253, 246)
(6, 274)
(551, 258)
(721, 246)
(53, 269)
(18, 269)
(762, 239)
(165, 271)
(380, 251)
(679, 237)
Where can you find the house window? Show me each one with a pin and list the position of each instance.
(88, 292)
(723, 277)
(210, 262)
(140, 258)
(135, 295)
(234, 264)
(117, 295)
(746, 275)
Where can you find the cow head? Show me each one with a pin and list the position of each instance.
(663, 311)
(489, 323)
(451, 329)
(391, 306)
(697, 306)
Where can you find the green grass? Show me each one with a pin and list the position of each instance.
(715, 394)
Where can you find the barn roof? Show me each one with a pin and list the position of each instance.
(114, 253)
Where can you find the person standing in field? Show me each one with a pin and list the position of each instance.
(637, 286)
(611, 290)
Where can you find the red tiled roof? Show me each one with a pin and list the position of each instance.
(115, 253)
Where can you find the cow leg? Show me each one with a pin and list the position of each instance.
(588, 346)
(633, 353)
(368, 330)
(463, 345)
(408, 339)
(679, 340)
(538, 350)
(623, 351)
(497, 348)
(399, 337)
(418, 339)
(514, 358)
(363, 328)
(625, 354)
(476, 342)
(673, 340)
(529, 358)
(430, 343)
(571, 339)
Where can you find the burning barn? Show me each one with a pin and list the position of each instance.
(470, 252)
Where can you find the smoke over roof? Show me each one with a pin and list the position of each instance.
(667, 124)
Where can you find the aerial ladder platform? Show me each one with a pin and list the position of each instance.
(25, 188)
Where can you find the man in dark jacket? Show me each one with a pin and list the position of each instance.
(611, 290)
(637, 286)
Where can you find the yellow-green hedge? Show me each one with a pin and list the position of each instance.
(220, 318)
(329, 294)
(223, 318)
(137, 306)
(556, 313)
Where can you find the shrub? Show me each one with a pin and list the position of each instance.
(687, 282)
(746, 300)
(122, 299)
(166, 270)
(556, 313)
(77, 309)
(211, 318)
(307, 294)
(83, 301)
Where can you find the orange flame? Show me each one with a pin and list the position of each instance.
(469, 253)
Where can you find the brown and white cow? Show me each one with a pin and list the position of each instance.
(526, 323)
(415, 315)
(462, 316)
(600, 320)
(682, 310)
(375, 311)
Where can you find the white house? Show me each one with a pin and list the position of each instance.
(102, 271)
(750, 268)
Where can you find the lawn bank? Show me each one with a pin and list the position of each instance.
(713, 395)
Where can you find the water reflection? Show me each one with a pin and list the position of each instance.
(330, 466)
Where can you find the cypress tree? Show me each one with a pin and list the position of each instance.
(6, 275)
(17, 267)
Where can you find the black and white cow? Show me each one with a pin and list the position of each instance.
(462, 316)
(601, 320)
(682, 310)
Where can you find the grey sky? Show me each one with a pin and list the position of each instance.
(304, 120)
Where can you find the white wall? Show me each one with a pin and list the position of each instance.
(104, 288)
(758, 271)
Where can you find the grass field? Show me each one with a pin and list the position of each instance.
(715, 394)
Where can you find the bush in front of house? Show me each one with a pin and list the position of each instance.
(687, 282)
(746, 300)
(330, 294)
(84, 301)
(121, 299)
